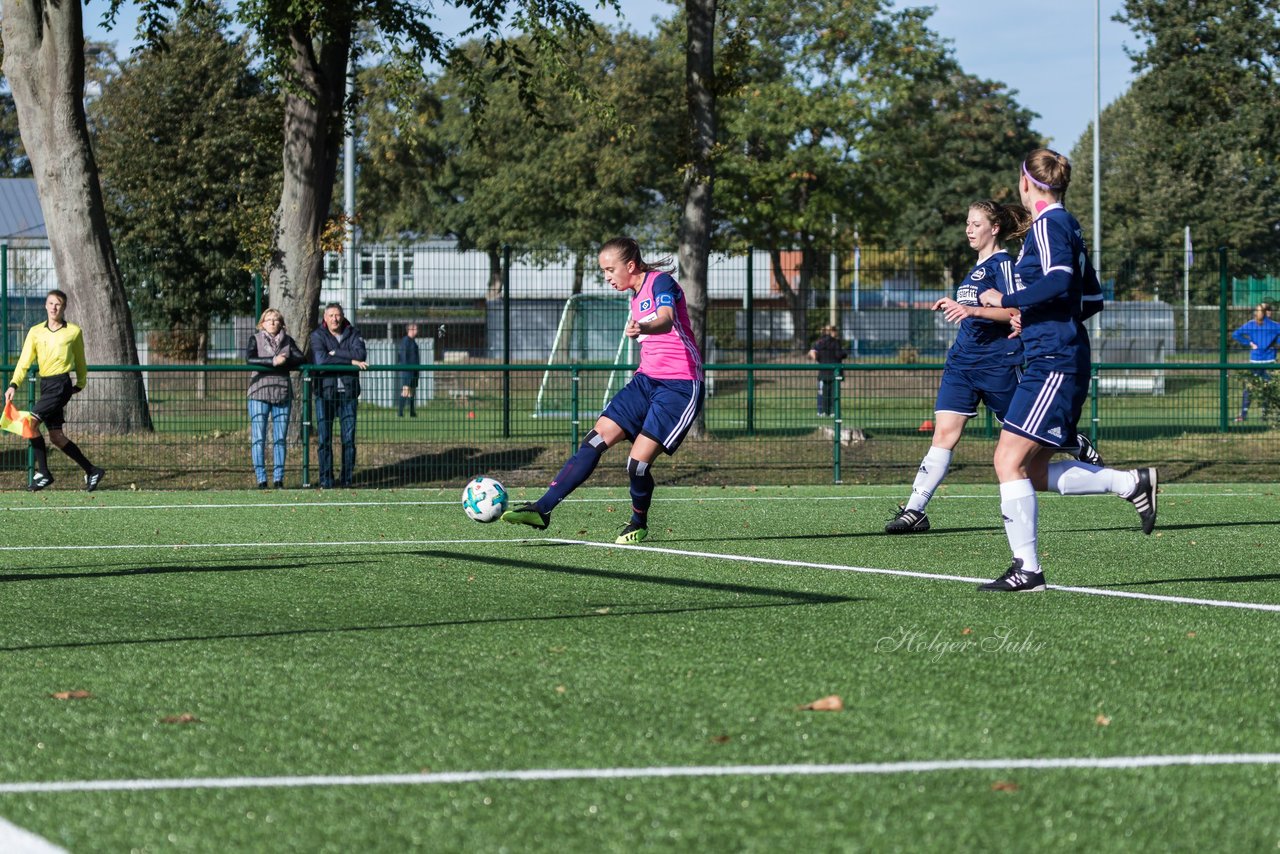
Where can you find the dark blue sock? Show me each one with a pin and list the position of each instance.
(641, 491)
(574, 473)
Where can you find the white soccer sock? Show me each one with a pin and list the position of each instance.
(1071, 477)
(1018, 504)
(933, 468)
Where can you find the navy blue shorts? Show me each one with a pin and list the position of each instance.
(663, 410)
(1047, 405)
(962, 388)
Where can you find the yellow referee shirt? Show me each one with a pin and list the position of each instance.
(56, 352)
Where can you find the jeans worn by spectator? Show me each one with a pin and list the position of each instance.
(344, 409)
(259, 411)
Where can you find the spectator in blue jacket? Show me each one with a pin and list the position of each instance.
(1260, 335)
(336, 342)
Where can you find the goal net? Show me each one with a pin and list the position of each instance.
(590, 332)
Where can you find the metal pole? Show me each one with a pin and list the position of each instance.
(4, 302)
(349, 195)
(1186, 290)
(506, 342)
(1223, 386)
(748, 302)
(1097, 134)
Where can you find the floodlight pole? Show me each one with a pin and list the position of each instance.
(1097, 133)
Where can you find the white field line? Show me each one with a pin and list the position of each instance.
(799, 564)
(660, 772)
(15, 840)
(442, 502)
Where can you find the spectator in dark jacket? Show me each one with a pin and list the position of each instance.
(407, 354)
(270, 393)
(336, 342)
(827, 350)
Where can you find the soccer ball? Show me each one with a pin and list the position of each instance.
(484, 499)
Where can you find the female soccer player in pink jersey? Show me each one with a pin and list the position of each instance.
(655, 409)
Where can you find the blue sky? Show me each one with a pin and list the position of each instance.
(1041, 48)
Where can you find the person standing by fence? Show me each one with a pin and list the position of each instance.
(827, 350)
(337, 393)
(1260, 335)
(270, 393)
(57, 347)
(408, 354)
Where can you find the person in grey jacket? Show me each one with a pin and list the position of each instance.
(270, 393)
(336, 342)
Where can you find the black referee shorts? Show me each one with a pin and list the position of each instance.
(54, 394)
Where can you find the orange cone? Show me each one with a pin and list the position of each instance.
(926, 426)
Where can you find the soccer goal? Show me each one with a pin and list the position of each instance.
(590, 332)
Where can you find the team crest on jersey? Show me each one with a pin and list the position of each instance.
(979, 274)
(645, 305)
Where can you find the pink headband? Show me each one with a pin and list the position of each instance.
(1032, 179)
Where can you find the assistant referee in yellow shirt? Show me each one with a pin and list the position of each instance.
(58, 348)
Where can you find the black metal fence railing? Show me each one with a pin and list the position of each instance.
(760, 425)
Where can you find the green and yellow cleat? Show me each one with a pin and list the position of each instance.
(527, 514)
(631, 534)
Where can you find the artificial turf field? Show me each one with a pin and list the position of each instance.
(370, 671)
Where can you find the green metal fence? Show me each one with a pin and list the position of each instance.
(521, 352)
(760, 426)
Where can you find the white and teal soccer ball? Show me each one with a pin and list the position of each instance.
(484, 499)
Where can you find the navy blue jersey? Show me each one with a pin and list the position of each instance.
(1056, 288)
(981, 342)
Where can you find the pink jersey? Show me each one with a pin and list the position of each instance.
(672, 355)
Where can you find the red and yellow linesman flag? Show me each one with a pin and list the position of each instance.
(18, 422)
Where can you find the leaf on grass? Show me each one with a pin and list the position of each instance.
(582, 533)
(833, 703)
(601, 611)
(1102, 720)
(1004, 786)
(967, 631)
(71, 695)
(1191, 634)
(184, 718)
(560, 689)
(720, 739)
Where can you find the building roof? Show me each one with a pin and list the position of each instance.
(20, 215)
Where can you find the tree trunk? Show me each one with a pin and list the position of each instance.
(44, 65)
(312, 142)
(699, 175)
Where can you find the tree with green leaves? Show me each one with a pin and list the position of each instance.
(44, 64)
(796, 113)
(188, 189)
(1196, 139)
(578, 169)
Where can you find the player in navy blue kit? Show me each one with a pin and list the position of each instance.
(1056, 290)
(985, 362)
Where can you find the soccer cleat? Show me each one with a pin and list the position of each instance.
(262, 484)
(1016, 580)
(1087, 452)
(93, 478)
(527, 514)
(39, 481)
(1144, 498)
(632, 534)
(908, 522)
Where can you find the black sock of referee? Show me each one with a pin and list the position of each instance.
(71, 449)
(42, 455)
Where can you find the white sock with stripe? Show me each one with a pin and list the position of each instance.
(1071, 477)
(933, 468)
(1018, 505)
